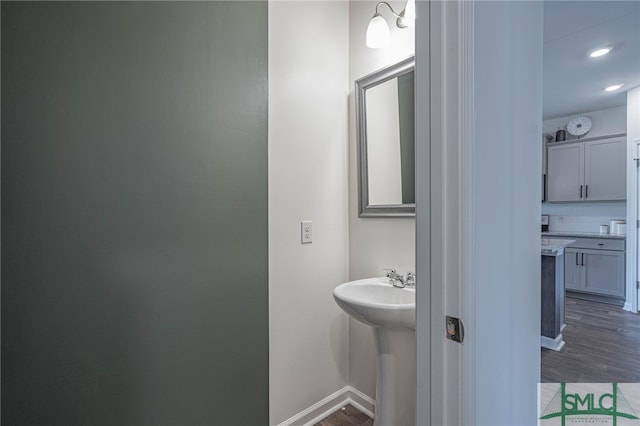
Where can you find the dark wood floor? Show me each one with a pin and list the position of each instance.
(602, 345)
(346, 416)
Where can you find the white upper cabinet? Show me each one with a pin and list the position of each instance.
(587, 171)
(565, 173)
(604, 170)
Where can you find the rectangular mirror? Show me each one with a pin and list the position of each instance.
(385, 129)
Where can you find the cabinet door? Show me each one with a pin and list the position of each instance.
(565, 172)
(572, 269)
(544, 170)
(605, 171)
(603, 272)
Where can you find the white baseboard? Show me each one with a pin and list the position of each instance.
(553, 344)
(362, 401)
(627, 306)
(332, 403)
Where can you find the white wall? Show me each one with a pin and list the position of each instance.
(633, 114)
(373, 243)
(633, 138)
(308, 168)
(606, 122)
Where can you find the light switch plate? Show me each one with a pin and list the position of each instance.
(306, 232)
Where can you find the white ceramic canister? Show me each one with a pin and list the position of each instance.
(613, 225)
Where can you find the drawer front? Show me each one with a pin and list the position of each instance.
(598, 243)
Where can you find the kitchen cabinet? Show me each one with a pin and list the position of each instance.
(603, 272)
(605, 173)
(565, 172)
(589, 170)
(571, 270)
(544, 169)
(596, 266)
(552, 293)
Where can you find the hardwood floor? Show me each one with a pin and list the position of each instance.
(602, 345)
(346, 416)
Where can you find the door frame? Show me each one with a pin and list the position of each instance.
(447, 152)
(632, 250)
(444, 207)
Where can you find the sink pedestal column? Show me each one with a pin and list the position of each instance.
(396, 381)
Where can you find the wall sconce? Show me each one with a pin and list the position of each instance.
(378, 33)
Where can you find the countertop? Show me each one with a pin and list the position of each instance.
(578, 234)
(553, 246)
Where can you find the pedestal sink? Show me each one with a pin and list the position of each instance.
(391, 311)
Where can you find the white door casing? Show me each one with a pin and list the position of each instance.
(632, 253)
(632, 266)
(443, 112)
(457, 155)
(440, 367)
(633, 298)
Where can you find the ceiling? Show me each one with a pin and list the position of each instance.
(573, 83)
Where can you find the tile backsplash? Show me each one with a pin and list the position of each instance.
(579, 223)
(582, 217)
(614, 210)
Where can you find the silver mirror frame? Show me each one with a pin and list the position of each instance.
(364, 208)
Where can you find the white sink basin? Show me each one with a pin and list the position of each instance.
(391, 311)
(376, 302)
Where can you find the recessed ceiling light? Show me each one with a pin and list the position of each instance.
(600, 52)
(613, 87)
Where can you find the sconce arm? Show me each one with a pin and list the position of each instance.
(400, 17)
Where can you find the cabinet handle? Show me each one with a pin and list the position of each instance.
(580, 191)
(582, 256)
(586, 191)
(600, 244)
(577, 259)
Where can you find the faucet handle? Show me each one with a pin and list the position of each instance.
(411, 278)
(388, 271)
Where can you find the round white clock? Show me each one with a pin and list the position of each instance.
(579, 126)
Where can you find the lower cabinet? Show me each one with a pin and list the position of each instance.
(572, 271)
(595, 271)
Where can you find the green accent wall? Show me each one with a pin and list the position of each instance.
(134, 213)
(406, 107)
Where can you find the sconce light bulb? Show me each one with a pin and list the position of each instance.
(378, 33)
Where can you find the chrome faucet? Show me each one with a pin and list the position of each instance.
(398, 280)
